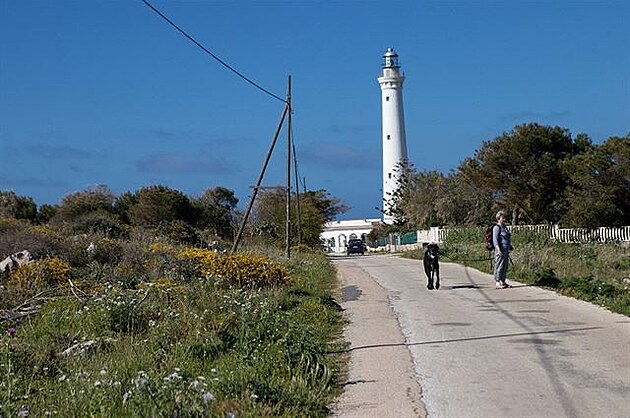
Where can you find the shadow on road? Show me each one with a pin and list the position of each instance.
(455, 340)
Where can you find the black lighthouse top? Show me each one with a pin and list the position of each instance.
(390, 59)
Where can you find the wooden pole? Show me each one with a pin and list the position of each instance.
(260, 178)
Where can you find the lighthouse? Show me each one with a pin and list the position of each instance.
(393, 128)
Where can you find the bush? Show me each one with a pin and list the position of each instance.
(40, 274)
(242, 270)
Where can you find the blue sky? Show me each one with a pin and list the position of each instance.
(106, 92)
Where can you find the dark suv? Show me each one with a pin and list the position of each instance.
(355, 246)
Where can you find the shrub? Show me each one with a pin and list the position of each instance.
(38, 240)
(107, 251)
(546, 278)
(242, 270)
(46, 272)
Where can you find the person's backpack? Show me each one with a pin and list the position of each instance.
(487, 238)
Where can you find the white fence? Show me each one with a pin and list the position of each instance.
(568, 235)
(619, 234)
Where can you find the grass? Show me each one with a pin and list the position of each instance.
(595, 272)
(177, 344)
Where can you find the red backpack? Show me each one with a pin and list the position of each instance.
(487, 238)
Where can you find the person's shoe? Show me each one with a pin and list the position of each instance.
(499, 285)
(504, 285)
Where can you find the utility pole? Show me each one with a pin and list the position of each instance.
(260, 177)
(287, 110)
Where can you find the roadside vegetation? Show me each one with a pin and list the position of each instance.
(131, 307)
(595, 272)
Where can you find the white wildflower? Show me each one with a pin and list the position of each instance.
(24, 412)
(126, 397)
(173, 376)
(142, 380)
(207, 397)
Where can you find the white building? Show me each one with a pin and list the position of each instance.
(337, 233)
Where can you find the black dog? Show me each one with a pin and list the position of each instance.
(432, 265)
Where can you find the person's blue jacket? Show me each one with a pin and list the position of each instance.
(501, 237)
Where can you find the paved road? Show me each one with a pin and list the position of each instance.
(470, 350)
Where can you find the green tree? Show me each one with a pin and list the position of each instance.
(598, 193)
(461, 203)
(18, 207)
(316, 208)
(415, 200)
(45, 213)
(123, 205)
(96, 199)
(522, 170)
(89, 211)
(430, 198)
(216, 211)
(159, 204)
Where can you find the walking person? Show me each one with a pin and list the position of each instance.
(502, 242)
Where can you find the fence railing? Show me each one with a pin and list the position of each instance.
(618, 234)
(567, 235)
(411, 241)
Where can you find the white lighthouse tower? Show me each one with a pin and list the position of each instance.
(393, 122)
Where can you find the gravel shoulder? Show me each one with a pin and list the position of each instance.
(381, 378)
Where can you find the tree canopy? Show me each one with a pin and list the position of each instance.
(216, 211)
(18, 207)
(541, 173)
(316, 208)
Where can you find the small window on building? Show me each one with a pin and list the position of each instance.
(387, 99)
(389, 137)
(390, 175)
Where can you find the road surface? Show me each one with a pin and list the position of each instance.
(470, 350)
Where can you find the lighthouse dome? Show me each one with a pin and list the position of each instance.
(390, 59)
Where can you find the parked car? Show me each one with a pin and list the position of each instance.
(355, 246)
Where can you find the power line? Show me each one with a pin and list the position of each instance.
(226, 65)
